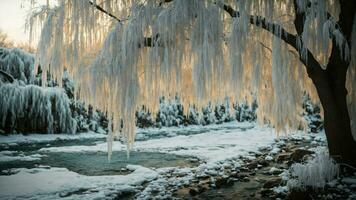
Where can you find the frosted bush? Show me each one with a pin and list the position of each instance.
(32, 108)
(17, 63)
(315, 173)
(170, 112)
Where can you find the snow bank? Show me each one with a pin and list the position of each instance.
(38, 183)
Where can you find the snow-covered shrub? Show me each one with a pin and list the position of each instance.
(208, 115)
(170, 112)
(31, 108)
(68, 84)
(315, 173)
(222, 112)
(144, 118)
(87, 118)
(244, 112)
(193, 116)
(17, 63)
(51, 82)
(312, 115)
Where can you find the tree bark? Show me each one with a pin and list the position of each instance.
(333, 93)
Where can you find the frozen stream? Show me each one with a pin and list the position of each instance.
(48, 166)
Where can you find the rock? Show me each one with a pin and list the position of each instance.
(264, 162)
(268, 158)
(252, 173)
(296, 194)
(283, 156)
(242, 175)
(246, 179)
(195, 190)
(252, 165)
(275, 151)
(340, 187)
(275, 171)
(266, 192)
(223, 181)
(349, 181)
(299, 154)
(274, 182)
(245, 169)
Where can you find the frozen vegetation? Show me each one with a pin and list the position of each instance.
(18, 63)
(315, 173)
(29, 108)
(54, 109)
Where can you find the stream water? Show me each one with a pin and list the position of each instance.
(96, 163)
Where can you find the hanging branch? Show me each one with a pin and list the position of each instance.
(277, 30)
(147, 41)
(104, 11)
(7, 76)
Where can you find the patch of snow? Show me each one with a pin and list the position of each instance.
(40, 182)
(285, 175)
(8, 156)
(280, 189)
(268, 158)
(41, 138)
(275, 151)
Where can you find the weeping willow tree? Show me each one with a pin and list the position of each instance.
(123, 54)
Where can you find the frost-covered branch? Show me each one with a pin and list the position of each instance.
(104, 11)
(7, 76)
(278, 31)
(148, 42)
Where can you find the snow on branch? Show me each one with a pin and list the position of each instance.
(7, 76)
(278, 31)
(104, 11)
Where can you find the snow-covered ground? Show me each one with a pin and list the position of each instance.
(211, 144)
(52, 183)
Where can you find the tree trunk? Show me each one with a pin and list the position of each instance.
(330, 85)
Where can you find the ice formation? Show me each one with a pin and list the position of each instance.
(315, 173)
(192, 48)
